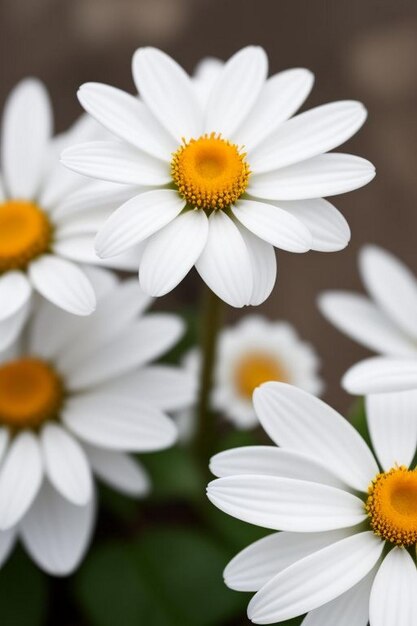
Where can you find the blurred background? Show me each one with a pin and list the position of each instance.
(361, 49)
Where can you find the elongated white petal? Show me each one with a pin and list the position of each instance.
(12, 326)
(7, 543)
(127, 117)
(381, 375)
(56, 533)
(81, 248)
(66, 465)
(63, 283)
(316, 579)
(168, 92)
(393, 596)
(137, 219)
(204, 77)
(257, 564)
(225, 263)
(50, 329)
(299, 421)
(274, 225)
(96, 195)
(103, 281)
(171, 253)
(280, 97)
(236, 90)
(361, 319)
(392, 285)
(26, 129)
(316, 131)
(286, 503)
(20, 479)
(15, 291)
(264, 265)
(392, 423)
(323, 175)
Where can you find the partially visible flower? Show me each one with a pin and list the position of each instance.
(385, 322)
(76, 395)
(228, 174)
(347, 550)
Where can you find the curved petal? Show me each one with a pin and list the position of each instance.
(15, 291)
(264, 265)
(168, 92)
(7, 543)
(137, 219)
(299, 421)
(11, 327)
(171, 253)
(323, 175)
(95, 195)
(381, 375)
(63, 283)
(80, 249)
(316, 579)
(204, 77)
(225, 263)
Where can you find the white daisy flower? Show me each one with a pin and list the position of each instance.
(228, 175)
(385, 322)
(347, 551)
(48, 215)
(76, 395)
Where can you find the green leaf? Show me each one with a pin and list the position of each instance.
(174, 474)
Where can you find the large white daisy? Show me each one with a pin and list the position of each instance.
(76, 395)
(228, 175)
(385, 322)
(347, 551)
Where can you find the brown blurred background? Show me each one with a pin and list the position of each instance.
(363, 49)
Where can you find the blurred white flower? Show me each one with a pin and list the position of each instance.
(228, 175)
(76, 395)
(346, 553)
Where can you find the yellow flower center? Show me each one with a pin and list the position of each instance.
(25, 233)
(257, 368)
(31, 392)
(392, 506)
(210, 172)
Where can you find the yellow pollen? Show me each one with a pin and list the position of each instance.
(257, 368)
(31, 392)
(392, 506)
(25, 233)
(210, 172)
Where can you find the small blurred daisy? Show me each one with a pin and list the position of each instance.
(347, 550)
(48, 215)
(228, 175)
(385, 322)
(77, 394)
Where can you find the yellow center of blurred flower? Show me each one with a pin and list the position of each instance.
(256, 368)
(392, 506)
(25, 233)
(210, 172)
(31, 392)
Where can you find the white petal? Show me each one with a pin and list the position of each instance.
(273, 225)
(204, 77)
(308, 134)
(15, 291)
(392, 285)
(138, 344)
(316, 579)
(280, 97)
(328, 227)
(137, 219)
(393, 596)
(299, 421)
(11, 327)
(94, 195)
(361, 319)
(264, 265)
(7, 543)
(103, 281)
(171, 253)
(225, 263)
(392, 423)
(127, 117)
(4, 442)
(50, 329)
(117, 424)
(119, 471)
(168, 92)
(381, 375)
(80, 248)
(57, 533)
(66, 465)
(20, 479)
(271, 461)
(236, 90)
(63, 283)
(116, 162)
(286, 503)
(26, 129)
(2, 190)
(257, 564)
(323, 175)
